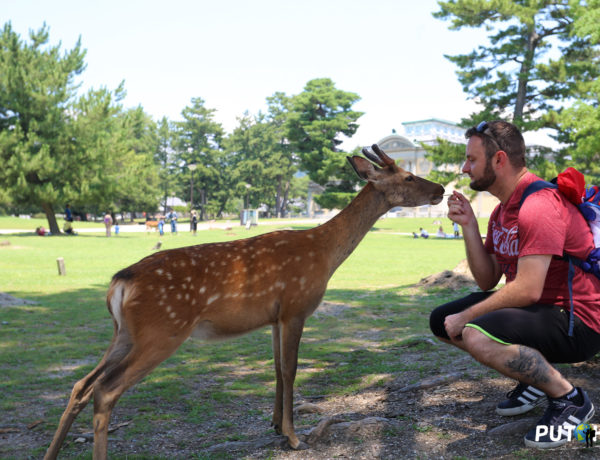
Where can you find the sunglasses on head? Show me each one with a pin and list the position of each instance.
(483, 127)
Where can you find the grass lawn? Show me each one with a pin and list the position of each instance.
(45, 348)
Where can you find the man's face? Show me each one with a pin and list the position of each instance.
(478, 166)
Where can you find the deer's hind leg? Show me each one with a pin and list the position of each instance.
(278, 406)
(140, 361)
(80, 396)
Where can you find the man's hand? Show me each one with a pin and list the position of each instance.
(455, 324)
(460, 210)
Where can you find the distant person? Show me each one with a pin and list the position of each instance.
(194, 223)
(68, 228)
(456, 231)
(68, 213)
(41, 231)
(108, 221)
(415, 235)
(424, 233)
(117, 228)
(173, 219)
(161, 225)
(440, 233)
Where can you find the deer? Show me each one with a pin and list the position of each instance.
(223, 290)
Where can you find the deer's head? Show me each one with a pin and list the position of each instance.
(400, 187)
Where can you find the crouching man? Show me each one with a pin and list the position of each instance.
(522, 327)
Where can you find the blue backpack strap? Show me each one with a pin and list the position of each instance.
(534, 187)
(573, 261)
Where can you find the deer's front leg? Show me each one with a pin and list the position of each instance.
(278, 406)
(291, 332)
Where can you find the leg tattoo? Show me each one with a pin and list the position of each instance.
(531, 365)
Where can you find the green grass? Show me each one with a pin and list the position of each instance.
(45, 348)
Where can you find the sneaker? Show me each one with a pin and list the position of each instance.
(520, 400)
(558, 422)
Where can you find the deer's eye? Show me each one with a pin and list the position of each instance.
(409, 178)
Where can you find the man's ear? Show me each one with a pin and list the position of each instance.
(364, 168)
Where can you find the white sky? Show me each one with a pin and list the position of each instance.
(235, 53)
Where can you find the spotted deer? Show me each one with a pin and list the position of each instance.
(222, 290)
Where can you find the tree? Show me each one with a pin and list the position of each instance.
(198, 141)
(534, 59)
(136, 172)
(165, 159)
(36, 90)
(317, 117)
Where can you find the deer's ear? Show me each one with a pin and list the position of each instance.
(364, 168)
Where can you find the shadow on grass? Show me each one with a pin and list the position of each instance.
(357, 342)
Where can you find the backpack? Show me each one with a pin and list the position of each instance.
(571, 184)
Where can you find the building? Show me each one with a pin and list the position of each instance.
(407, 151)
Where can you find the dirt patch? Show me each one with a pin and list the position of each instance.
(446, 414)
(458, 278)
(7, 300)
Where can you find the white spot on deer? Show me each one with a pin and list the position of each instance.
(171, 287)
(178, 296)
(169, 276)
(302, 281)
(280, 284)
(280, 242)
(188, 278)
(202, 290)
(159, 271)
(212, 264)
(187, 296)
(169, 308)
(162, 289)
(182, 263)
(223, 263)
(310, 235)
(297, 258)
(161, 303)
(184, 286)
(176, 322)
(212, 298)
(184, 324)
(172, 315)
(311, 253)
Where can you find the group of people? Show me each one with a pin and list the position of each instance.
(440, 232)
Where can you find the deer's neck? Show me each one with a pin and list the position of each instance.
(342, 234)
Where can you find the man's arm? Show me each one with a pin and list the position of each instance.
(526, 289)
(484, 266)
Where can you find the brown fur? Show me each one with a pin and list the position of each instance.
(221, 290)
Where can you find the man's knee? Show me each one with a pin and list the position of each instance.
(477, 344)
(436, 322)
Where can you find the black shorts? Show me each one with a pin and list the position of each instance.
(542, 327)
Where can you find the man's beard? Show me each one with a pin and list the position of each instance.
(489, 177)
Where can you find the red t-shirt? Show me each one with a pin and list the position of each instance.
(547, 223)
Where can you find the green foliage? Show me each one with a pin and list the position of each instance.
(198, 140)
(318, 115)
(519, 71)
(37, 89)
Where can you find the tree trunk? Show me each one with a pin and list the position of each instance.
(284, 201)
(49, 211)
(278, 201)
(524, 73)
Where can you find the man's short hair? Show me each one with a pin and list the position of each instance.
(500, 135)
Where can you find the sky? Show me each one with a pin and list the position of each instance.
(234, 54)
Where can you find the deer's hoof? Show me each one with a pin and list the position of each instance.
(301, 446)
